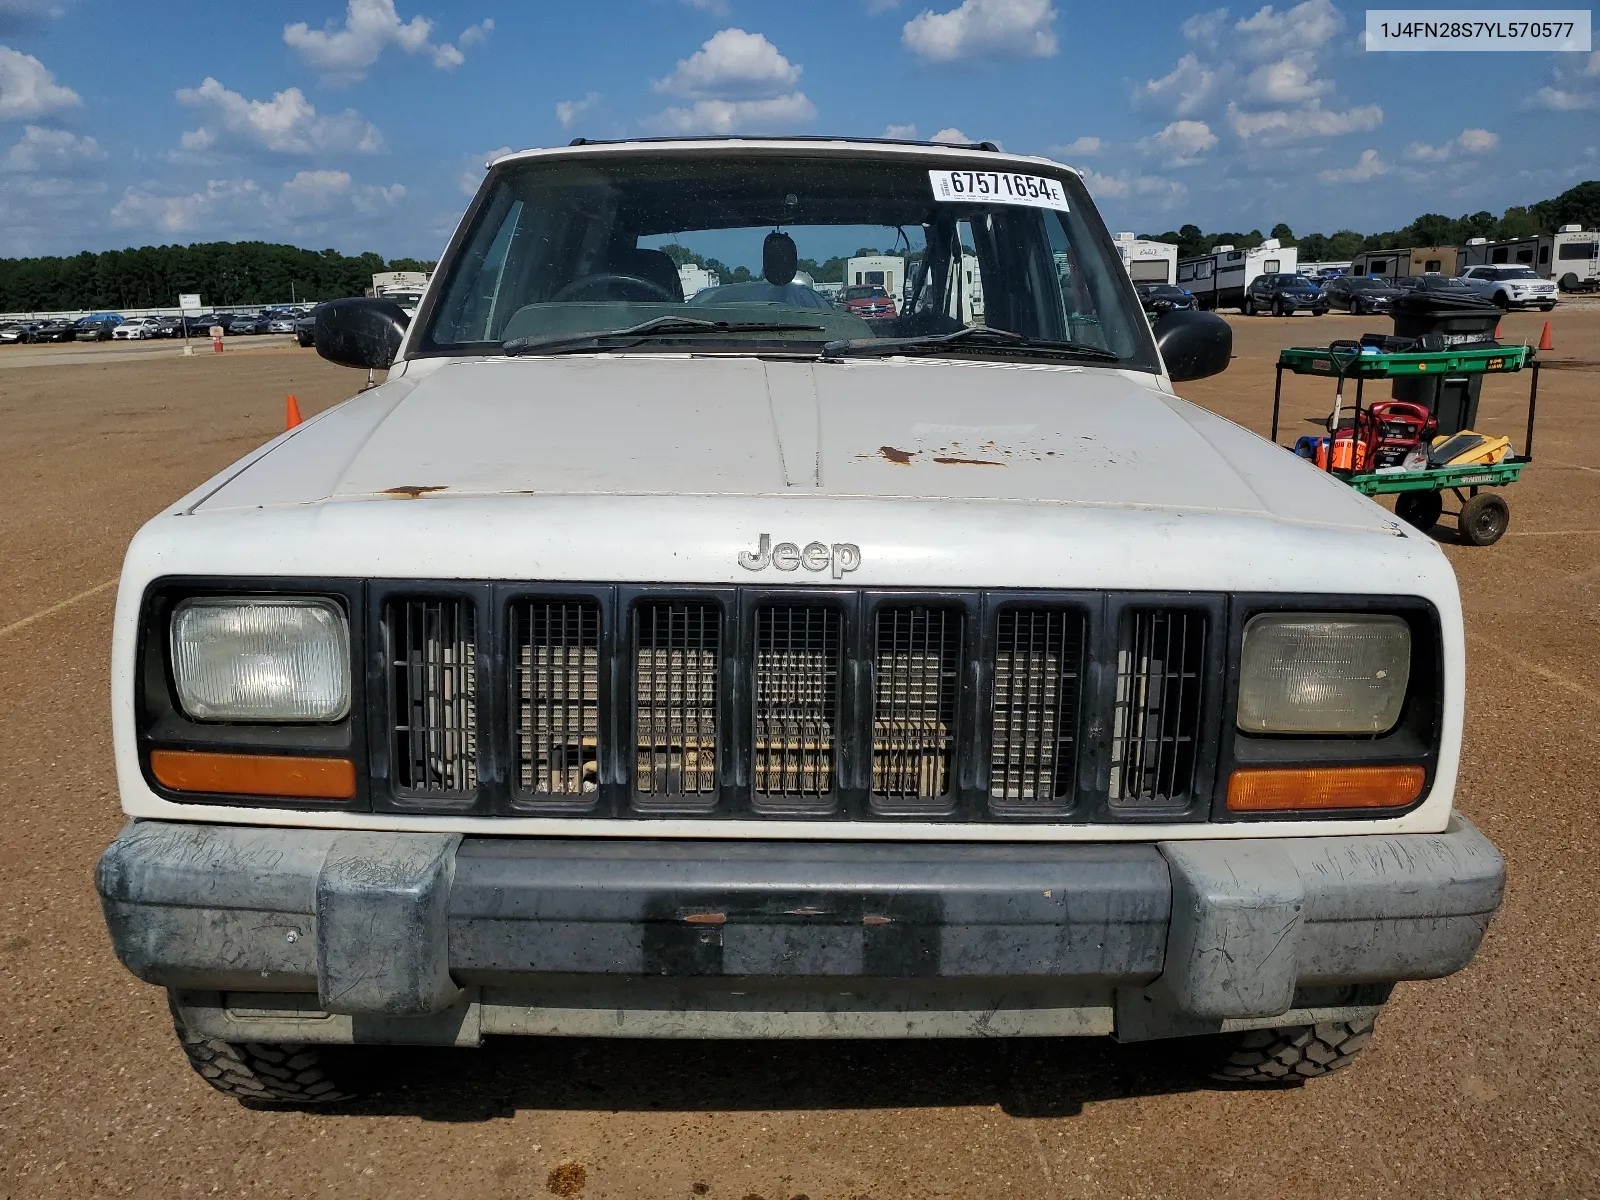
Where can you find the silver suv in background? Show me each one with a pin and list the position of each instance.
(1511, 287)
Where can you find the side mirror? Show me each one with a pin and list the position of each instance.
(1193, 344)
(360, 332)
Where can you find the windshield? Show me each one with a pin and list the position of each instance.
(734, 244)
(1517, 273)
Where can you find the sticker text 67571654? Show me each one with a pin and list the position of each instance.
(998, 187)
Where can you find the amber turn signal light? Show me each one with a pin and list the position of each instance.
(1318, 789)
(255, 774)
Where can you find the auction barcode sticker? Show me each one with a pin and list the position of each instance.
(998, 187)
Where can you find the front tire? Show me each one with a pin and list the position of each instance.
(264, 1073)
(1248, 308)
(1503, 300)
(1484, 519)
(1288, 1057)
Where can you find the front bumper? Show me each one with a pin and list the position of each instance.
(321, 935)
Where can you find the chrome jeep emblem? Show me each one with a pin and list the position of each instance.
(842, 557)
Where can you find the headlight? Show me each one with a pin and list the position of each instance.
(1317, 673)
(261, 659)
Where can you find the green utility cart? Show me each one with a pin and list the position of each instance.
(1483, 515)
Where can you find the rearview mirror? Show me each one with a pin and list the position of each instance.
(360, 332)
(1193, 344)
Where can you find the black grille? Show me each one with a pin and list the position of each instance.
(433, 696)
(796, 705)
(1156, 720)
(557, 666)
(677, 654)
(1037, 670)
(916, 652)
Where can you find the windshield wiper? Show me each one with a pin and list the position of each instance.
(975, 335)
(632, 335)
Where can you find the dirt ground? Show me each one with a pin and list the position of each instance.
(1486, 1084)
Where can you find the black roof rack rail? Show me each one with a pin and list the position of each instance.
(990, 147)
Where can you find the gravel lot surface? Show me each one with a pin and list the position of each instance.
(1481, 1085)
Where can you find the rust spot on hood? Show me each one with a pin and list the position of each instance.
(969, 462)
(711, 918)
(890, 454)
(875, 919)
(412, 490)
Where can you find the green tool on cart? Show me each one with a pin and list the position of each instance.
(1483, 516)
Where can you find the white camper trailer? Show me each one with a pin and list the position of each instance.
(695, 278)
(1218, 279)
(1570, 256)
(1147, 261)
(887, 271)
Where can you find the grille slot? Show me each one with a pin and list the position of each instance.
(796, 706)
(433, 696)
(558, 697)
(1037, 670)
(677, 653)
(916, 651)
(1156, 721)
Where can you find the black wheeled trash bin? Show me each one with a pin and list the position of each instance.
(1455, 321)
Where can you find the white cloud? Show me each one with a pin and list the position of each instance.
(51, 152)
(475, 35)
(951, 134)
(568, 111)
(732, 64)
(28, 89)
(370, 27)
(1290, 80)
(1186, 89)
(1206, 27)
(1469, 141)
(1592, 67)
(1306, 26)
(472, 175)
(738, 116)
(286, 124)
(983, 29)
(1183, 143)
(1277, 126)
(1165, 193)
(1368, 166)
(17, 16)
(904, 133)
(1562, 100)
(1081, 147)
(235, 206)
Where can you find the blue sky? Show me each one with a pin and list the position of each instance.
(364, 124)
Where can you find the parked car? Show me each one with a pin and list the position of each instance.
(137, 329)
(56, 329)
(870, 301)
(13, 332)
(1159, 298)
(1359, 294)
(305, 326)
(1431, 282)
(244, 323)
(278, 321)
(1093, 714)
(1283, 295)
(1511, 287)
(97, 327)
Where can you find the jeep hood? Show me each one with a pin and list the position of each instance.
(659, 425)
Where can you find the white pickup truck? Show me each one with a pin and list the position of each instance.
(738, 666)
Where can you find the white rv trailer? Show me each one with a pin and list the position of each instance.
(695, 278)
(1147, 261)
(1218, 279)
(1570, 256)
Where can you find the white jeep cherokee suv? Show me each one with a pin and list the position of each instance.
(1511, 287)
(737, 666)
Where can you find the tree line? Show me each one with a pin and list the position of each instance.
(1578, 205)
(223, 273)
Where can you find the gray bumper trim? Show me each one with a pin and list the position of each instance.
(1187, 935)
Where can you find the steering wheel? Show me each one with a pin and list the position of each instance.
(603, 281)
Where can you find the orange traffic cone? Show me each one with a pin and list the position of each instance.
(292, 414)
(1544, 338)
(1497, 331)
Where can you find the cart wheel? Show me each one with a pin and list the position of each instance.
(1420, 510)
(1483, 519)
